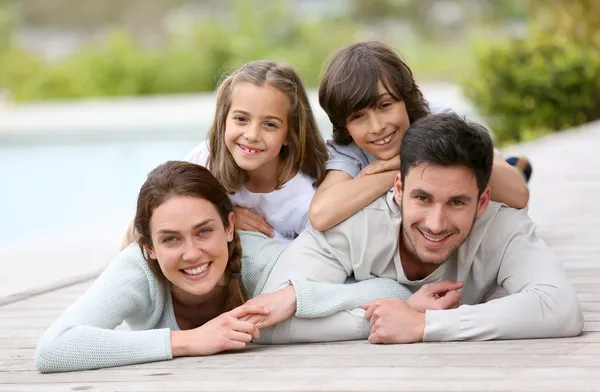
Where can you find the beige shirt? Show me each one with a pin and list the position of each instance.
(503, 250)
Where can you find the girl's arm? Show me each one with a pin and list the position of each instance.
(340, 196)
(83, 337)
(507, 184)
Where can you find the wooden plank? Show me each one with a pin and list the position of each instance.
(298, 373)
(22, 370)
(329, 382)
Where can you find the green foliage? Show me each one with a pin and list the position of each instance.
(535, 86)
(184, 63)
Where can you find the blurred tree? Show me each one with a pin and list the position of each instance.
(574, 20)
(8, 18)
(137, 16)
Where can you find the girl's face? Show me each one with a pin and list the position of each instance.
(190, 244)
(379, 130)
(257, 125)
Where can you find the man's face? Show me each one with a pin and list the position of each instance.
(439, 206)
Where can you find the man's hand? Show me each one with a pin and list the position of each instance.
(436, 296)
(380, 166)
(281, 305)
(249, 220)
(393, 321)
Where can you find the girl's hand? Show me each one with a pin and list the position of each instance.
(249, 220)
(225, 332)
(380, 166)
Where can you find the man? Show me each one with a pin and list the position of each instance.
(438, 224)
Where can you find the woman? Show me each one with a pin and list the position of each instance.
(179, 287)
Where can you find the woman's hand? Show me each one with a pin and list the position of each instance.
(225, 332)
(249, 220)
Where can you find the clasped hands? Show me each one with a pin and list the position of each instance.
(392, 320)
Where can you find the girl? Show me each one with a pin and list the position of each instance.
(179, 286)
(371, 98)
(264, 146)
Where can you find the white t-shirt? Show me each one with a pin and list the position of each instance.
(285, 209)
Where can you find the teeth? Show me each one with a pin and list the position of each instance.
(384, 140)
(432, 238)
(250, 150)
(196, 271)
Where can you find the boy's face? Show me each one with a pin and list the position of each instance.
(379, 130)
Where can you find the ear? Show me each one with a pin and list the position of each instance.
(231, 227)
(484, 201)
(398, 188)
(150, 251)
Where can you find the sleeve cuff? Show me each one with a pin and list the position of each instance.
(342, 166)
(442, 325)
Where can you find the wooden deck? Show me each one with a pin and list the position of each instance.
(564, 201)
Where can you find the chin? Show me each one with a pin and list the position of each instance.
(436, 258)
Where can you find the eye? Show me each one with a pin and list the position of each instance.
(271, 124)
(355, 116)
(239, 118)
(422, 198)
(385, 104)
(457, 203)
(169, 240)
(205, 231)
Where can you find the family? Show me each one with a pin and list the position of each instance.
(407, 227)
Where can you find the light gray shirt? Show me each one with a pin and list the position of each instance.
(502, 250)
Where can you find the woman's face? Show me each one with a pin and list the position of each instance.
(190, 243)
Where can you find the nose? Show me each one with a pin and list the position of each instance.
(436, 219)
(191, 251)
(252, 133)
(376, 122)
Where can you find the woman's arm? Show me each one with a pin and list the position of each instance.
(83, 337)
(341, 196)
(507, 184)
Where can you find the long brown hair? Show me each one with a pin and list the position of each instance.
(176, 178)
(306, 150)
(350, 83)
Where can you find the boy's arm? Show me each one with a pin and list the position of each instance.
(507, 184)
(341, 196)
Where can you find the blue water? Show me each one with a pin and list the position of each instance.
(49, 188)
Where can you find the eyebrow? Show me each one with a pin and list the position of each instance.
(263, 117)
(203, 223)
(421, 192)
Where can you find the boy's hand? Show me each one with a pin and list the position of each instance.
(380, 166)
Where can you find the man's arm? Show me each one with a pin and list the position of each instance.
(540, 303)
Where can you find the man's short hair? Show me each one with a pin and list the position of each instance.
(446, 139)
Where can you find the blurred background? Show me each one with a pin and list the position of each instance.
(94, 94)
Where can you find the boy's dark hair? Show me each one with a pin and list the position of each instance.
(448, 140)
(350, 83)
